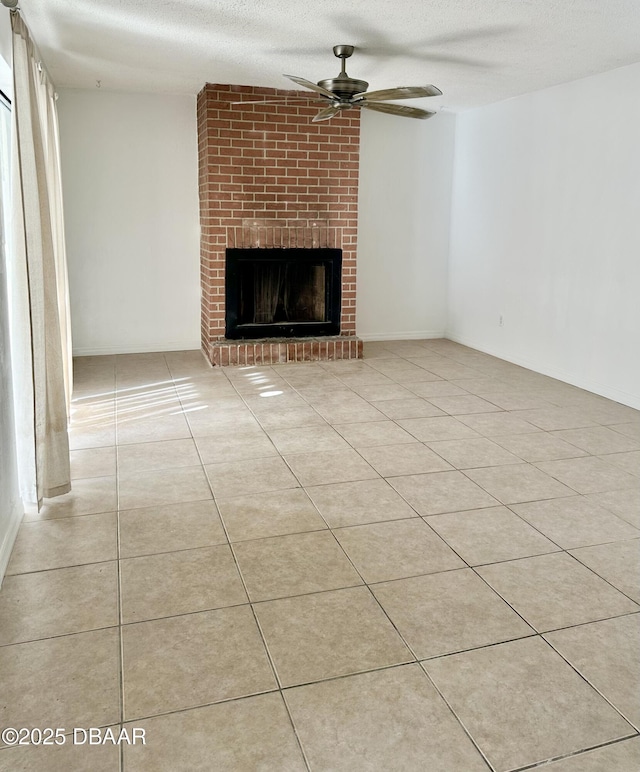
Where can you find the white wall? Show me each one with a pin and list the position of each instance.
(403, 226)
(546, 231)
(130, 183)
(10, 504)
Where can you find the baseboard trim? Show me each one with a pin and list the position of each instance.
(601, 389)
(171, 345)
(15, 518)
(192, 345)
(411, 335)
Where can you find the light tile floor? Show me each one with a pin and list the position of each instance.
(426, 560)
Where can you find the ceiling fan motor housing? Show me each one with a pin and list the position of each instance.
(344, 87)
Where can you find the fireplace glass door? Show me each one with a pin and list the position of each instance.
(282, 292)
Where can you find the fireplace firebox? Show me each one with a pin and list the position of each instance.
(282, 293)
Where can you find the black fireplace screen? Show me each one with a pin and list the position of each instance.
(282, 292)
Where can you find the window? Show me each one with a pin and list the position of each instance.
(10, 504)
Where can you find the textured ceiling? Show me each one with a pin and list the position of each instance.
(475, 51)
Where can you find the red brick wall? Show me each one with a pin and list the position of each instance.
(271, 177)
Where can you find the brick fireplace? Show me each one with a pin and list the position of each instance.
(269, 178)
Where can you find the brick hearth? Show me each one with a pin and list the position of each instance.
(280, 351)
(269, 177)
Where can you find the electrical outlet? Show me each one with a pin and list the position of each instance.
(501, 321)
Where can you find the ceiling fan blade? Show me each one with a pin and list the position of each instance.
(309, 84)
(408, 112)
(401, 92)
(325, 114)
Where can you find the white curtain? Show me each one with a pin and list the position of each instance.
(40, 329)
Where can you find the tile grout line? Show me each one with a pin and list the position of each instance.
(257, 623)
(386, 615)
(584, 678)
(457, 718)
(119, 575)
(120, 625)
(371, 594)
(571, 755)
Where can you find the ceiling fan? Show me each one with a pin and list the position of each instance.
(345, 93)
